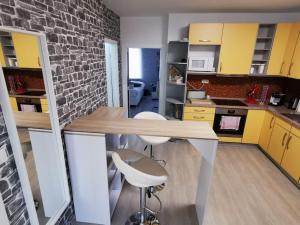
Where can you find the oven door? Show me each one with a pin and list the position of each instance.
(231, 125)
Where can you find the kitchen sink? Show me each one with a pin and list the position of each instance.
(295, 117)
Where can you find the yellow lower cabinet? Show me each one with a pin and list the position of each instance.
(291, 158)
(201, 114)
(44, 104)
(254, 123)
(278, 142)
(266, 131)
(13, 103)
(230, 139)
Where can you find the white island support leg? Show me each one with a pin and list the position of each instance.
(208, 150)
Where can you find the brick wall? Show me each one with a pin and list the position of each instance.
(75, 31)
(10, 187)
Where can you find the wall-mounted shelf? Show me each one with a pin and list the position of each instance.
(174, 101)
(190, 72)
(177, 63)
(175, 83)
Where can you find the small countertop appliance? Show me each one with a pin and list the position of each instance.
(277, 99)
(291, 102)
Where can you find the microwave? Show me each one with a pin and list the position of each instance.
(205, 64)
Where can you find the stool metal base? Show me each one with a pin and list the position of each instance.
(135, 219)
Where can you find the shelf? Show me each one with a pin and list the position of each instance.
(174, 101)
(21, 68)
(175, 83)
(190, 72)
(263, 38)
(177, 63)
(262, 49)
(260, 60)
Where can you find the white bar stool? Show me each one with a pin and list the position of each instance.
(152, 140)
(144, 173)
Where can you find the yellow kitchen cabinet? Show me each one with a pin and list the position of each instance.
(27, 50)
(295, 64)
(13, 103)
(201, 114)
(266, 130)
(290, 49)
(238, 43)
(278, 142)
(291, 159)
(230, 139)
(2, 57)
(205, 33)
(280, 42)
(253, 127)
(44, 104)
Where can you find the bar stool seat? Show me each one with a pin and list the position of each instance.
(144, 173)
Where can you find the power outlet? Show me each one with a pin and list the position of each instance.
(205, 81)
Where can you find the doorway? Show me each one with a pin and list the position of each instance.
(143, 80)
(112, 71)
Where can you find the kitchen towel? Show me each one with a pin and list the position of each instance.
(28, 108)
(230, 122)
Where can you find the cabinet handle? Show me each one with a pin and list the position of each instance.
(197, 117)
(271, 122)
(283, 139)
(290, 68)
(39, 62)
(197, 110)
(288, 142)
(204, 40)
(221, 66)
(281, 69)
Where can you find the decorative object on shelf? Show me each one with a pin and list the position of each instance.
(252, 94)
(20, 86)
(175, 75)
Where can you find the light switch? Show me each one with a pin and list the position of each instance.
(3, 154)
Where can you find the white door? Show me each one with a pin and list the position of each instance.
(112, 71)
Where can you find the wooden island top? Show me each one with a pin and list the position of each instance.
(112, 121)
(35, 120)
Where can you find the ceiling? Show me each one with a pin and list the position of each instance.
(164, 7)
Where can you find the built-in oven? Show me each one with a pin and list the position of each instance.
(230, 122)
(27, 104)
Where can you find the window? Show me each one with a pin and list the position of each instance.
(135, 63)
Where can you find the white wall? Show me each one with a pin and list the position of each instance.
(143, 32)
(178, 22)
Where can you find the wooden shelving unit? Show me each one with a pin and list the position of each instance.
(263, 48)
(177, 69)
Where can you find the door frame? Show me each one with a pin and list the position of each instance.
(14, 137)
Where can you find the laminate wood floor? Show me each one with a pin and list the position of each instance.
(247, 189)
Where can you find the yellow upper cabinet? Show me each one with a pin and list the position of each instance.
(254, 123)
(291, 158)
(276, 61)
(27, 50)
(290, 49)
(2, 58)
(205, 33)
(238, 43)
(295, 64)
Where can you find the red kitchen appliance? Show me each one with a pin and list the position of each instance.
(252, 94)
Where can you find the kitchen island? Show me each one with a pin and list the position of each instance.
(86, 146)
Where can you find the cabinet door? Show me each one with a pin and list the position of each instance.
(2, 57)
(295, 65)
(290, 49)
(266, 131)
(27, 50)
(254, 123)
(291, 158)
(278, 141)
(238, 43)
(275, 66)
(13, 103)
(205, 33)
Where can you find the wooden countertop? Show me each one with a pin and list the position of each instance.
(32, 120)
(97, 123)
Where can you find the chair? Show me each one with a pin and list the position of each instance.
(144, 173)
(152, 140)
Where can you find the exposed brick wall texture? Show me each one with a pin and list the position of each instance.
(75, 31)
(10, 187)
